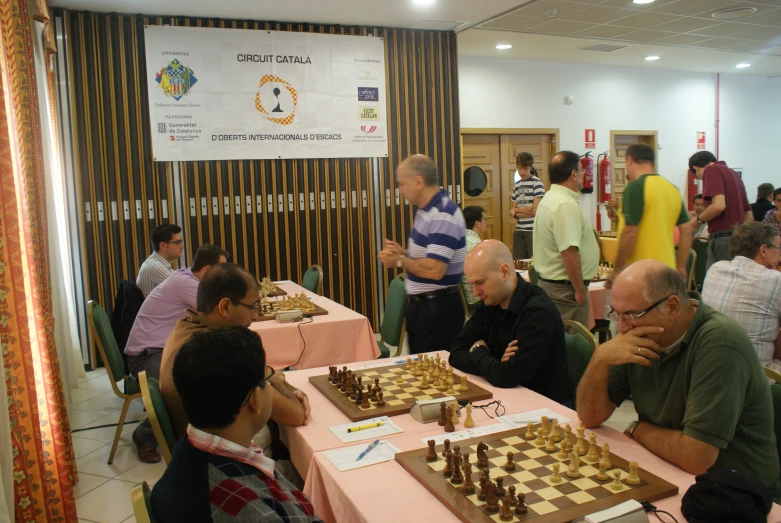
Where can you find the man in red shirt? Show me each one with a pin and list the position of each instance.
(726, 203)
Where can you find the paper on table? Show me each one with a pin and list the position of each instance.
(282, 282)
(389, 428)
(466, 434)
(523, 418)
(345, 458)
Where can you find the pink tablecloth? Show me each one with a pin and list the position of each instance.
(367, 494)
(342, 336)
(597, 297)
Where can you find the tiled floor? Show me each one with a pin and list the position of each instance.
(103, 492)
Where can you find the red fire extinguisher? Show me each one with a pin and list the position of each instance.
(587, 164)
(604, 183)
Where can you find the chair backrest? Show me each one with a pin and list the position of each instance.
(141, 497)
(462, 293)
(580, 347)
(775, 392)
(599, 244)
(395, 309)
(313, 279)
(534, 276)
(701, 264)
(158, 415)
(100, 325)
(691, 263)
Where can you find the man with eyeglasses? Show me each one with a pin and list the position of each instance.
(168, 246)
(748, 288)
(699, 390)
(216, 472)
(227, 296)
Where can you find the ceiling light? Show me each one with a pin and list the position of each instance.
(743, 66)
(651, 58)
(643, 1)
(503, 47)
(422, 2)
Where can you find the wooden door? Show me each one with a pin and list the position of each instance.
(619, 143)
(539, 146)
(483, 151)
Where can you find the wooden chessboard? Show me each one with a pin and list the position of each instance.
(399, 398)
(547, 502)
(277, 292)
(266, 315)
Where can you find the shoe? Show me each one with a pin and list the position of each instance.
(146, 453)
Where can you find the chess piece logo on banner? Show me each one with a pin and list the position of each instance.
(276, 92)
(176, 79)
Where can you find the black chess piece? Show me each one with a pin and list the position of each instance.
(277, 109)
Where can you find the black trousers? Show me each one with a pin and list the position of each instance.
(434, 324)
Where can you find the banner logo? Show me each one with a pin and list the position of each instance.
(284, 102)
(368, 129)
(368, 94)
(175, 79)
(369, 113)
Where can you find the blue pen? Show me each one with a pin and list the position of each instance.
(368, 449)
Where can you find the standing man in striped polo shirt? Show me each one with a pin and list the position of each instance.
(434, 260)
(527, 194)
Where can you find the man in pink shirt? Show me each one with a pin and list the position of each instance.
(164, 306)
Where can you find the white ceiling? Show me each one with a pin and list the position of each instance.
(681, 32)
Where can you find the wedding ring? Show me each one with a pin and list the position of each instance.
(639, 349)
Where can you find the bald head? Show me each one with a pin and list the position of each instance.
(490, 255)
(423, 166)
(491, 271)
(652, 280)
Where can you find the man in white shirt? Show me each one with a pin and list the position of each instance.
(168, 246)
(748, 288)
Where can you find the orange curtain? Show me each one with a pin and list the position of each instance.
(44, 464)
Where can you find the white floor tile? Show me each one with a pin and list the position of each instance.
(131, 519)
(96, 373)
(107, 433)
(95, 462)
(80, 418)
(87, 483)
(149, 472)
(101, 384)
(83, 446)
(109, 503)
(105, 402)
(79, 395)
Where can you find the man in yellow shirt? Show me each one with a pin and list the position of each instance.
(651, 210)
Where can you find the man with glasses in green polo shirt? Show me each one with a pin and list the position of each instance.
(700, 393)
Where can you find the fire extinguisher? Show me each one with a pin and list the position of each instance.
(587, 164)
(605, 184)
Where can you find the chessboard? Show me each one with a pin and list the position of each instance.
(604, 271)
(269, 309)
(397, 387)
(269, 288)
(533, 481)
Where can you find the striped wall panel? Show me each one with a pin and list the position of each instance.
(252, 208)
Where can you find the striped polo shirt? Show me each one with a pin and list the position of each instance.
(154, 271)
(524, 193)
(439, 233)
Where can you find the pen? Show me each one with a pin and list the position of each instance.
(369, 426)
(368, 449)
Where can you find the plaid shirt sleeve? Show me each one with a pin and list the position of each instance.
(472, 240)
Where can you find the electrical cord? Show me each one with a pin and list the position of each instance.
(498, 404)
(300, 321)
(648, 507)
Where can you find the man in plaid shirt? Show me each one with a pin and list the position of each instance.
(748, 288)
(475, 227)
(216, 473)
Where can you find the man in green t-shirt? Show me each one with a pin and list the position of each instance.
(700, 393)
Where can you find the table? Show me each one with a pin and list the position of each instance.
(598, 297)
(342, 336)
(368, 494)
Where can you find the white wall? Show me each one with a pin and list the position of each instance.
(498, 93)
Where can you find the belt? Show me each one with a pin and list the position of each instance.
(721, 234)
(564, 282)
(433, 295)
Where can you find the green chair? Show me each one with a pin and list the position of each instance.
(100, 329)
(141, 497)
(158, 415)
(393, 326)
(580, 347)
(313, 280)
(701, 264)
(775, 392)
(534, 276)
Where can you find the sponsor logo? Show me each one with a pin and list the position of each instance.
(368, 94)
(161, 128)
(175, 79)
(367, 75)
(367, 60)
(368, 129)
(369, 113)
(280, 97)
(173, 138)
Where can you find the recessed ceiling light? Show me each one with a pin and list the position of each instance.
(502, 47)
(742, 66)
(643, 1)
(651, 58)
(423, 2)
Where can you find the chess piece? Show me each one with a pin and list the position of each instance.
(464, 387)
(510, 465)
(442, 414)
(448, 471)
(574, 465)
(399, 379)
(484, 481)
(540, 441)
(482, 458)
(568, 433)
(450, 382)
(359, 397)
(454, 406)
(456, 450)
(365, 403)
(606, 456)
(565, 448)
(581, 446)
(507, 510)
(556, 476)
(545, 426)
(469, 422)
(602, 475)
(457, 478)
(449, 427)
(593, 453)
(633, 478)
(409, 363)
(432, 454)
(465, 457)
(447, 447)
(469, 487)
(500, 487)
(549, 446)
(380, 401)
(617, 485)
(418, 369)
(424, 380)
(555, 431)
(491, 505)
(521, 509)
(513, 499)
(529, 431)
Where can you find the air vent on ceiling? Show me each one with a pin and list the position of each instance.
(603, 48)
(734, 12)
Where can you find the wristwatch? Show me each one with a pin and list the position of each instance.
(475, 346)
(631, 428)
(700, 219)
(398, 262)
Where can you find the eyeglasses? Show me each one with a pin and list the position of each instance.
(261, 385)
(254, 307)
(773, 245)
(177, 242)
(632, 317)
